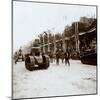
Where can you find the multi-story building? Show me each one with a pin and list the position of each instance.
(69, 39)
(86, 20)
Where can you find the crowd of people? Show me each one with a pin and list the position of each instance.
(60, 55)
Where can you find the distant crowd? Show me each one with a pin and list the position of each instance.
(60, 55)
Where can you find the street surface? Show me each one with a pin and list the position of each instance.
(57, 80)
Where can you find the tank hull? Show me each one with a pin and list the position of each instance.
(89, 58)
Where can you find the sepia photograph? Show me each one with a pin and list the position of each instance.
(54, 49)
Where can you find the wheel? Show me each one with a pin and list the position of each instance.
(28, 64)
(47, 64)
(29, 67)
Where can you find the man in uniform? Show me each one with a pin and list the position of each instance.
(67, 56)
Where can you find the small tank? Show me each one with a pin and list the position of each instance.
(36, 60)
(19, 56)
(88, 47)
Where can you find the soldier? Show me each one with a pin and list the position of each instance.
(16, 57)
(62, 56)
(57, 57)
(67, 56)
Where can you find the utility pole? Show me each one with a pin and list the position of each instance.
(43, 44)
(48, 40)
(54, 44)
(63, 40)
(77, 37)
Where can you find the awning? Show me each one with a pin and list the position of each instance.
(87, 31)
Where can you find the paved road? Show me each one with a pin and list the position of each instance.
(55, 81)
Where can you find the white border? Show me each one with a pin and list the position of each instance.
(5, 49)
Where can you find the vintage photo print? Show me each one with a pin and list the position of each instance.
(54, 49)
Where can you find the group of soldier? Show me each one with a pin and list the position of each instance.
(60, 55)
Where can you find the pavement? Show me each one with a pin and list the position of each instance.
(57, 80)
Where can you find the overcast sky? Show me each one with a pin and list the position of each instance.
(31, 19)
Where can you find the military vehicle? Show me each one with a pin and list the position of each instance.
(36, 60)
(19, 56)
(88, 47)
